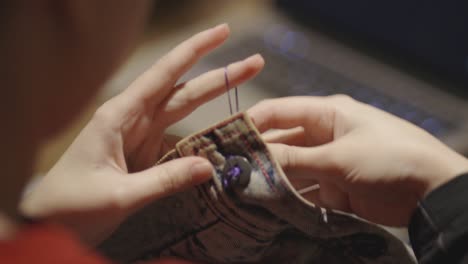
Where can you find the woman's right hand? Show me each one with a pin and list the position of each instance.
(365, 160)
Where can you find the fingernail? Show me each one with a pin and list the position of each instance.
(223, 25)
(257, 59)
(201, 172)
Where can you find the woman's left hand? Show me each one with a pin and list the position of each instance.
(108, 172)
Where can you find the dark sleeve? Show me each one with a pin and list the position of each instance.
(438, 229)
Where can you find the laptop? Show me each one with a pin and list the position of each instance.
(407, 58)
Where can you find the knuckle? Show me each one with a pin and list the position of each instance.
(103, 114)
(119, 197)
(336, 162)
(195, 51)
(191, 48)
(332, 160)
(108, 117)
(341, 99)
(290, 157)
(167, 181)
(342, 105)
(186, 96)
(265, 103)
(166, 66)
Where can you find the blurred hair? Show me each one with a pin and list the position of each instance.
(7, 9)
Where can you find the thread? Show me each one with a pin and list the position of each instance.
(236, 95)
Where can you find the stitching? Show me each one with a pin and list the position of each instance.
(218, 126)
(241, 136)
(207, 144)
(258, 161)
(246, 143)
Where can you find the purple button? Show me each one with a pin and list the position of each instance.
(236, 172)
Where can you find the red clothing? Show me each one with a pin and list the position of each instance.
(49, 244)
(46, 244)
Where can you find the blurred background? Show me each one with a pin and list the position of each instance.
(409, 58)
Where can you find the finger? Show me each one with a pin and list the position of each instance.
(315, 114)
(293, 136)
(320, 164)
(332, 197)
(154, 85)
(166, 179)
(193, 94)
(309, 167)
(329, 196)
(207, 86)
(313, 163)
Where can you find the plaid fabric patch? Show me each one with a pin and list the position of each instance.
(263, 220)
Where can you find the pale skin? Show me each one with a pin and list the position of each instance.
(108, 173)
(366, 161)
(360, 156)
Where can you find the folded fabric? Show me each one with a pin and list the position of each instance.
(248, 213)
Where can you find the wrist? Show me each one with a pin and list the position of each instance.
(450, 167)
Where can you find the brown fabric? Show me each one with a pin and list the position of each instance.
(266, 221)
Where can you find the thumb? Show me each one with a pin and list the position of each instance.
(315, 165)
(166, 179)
